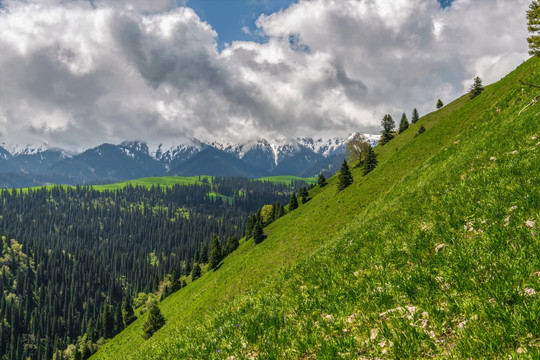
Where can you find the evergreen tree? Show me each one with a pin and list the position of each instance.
(304, 194)
(293, 203)
(77, 354)
(203, 259)
(322, 180)
(108, 322)
(250, 224)
(371, 161)
(128, 314)
(258, 234)
(196, 272)
(421, 129)
(187, 269)
(215, 253)
(233, 244)
(404, 124)
(388, 126)
(118, 320)
(415, 117)
(533, 25)
(85, 351)
(439, 104)
(476, 88)
(175, 281)
(345, 177)
(154, 322)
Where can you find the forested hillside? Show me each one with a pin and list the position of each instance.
(432, 254)
(70, 253)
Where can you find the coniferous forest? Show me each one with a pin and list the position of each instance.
(72, 255)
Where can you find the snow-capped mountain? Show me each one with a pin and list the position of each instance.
(131, 159)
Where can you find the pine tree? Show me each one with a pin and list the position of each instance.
(345, 177)
(533, 25)
(404, 124)
(196, 272)
(421, 129)
(322, 180)
(203, 258)
(175, 281)
(118, 320)
(108, 323)
(439, 104)
(293, 203)
(233, 244)
(258, 234)
(85, 351)
(128, 314)
(388, 126)
(415, 117)
(154, 322)
(476, 88)
(304, 194)
(371, 161)
(215, 253)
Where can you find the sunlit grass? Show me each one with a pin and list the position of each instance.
(433, 254)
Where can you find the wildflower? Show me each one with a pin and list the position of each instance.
(521, 350)
(529, 291)
(493, 158)
(439, 247)
(373, 334)
(530, 223)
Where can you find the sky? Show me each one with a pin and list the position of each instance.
(78, 73)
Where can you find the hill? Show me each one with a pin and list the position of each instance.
(432, 254)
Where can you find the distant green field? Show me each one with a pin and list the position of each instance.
(288, 179)
(166, 181)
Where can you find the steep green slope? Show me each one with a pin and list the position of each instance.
(434, 253)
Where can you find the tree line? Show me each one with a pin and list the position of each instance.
(81, 255)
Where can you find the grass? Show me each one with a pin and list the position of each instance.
(433, 254)
(288, 179)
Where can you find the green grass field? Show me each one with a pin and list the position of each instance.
(288, 179)
(433, 254)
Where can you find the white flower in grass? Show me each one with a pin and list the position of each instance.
(512, 208)
(493, 158)
(529, 291)
(439, 247)
(530, 223)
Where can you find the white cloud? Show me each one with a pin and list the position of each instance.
(78, 73)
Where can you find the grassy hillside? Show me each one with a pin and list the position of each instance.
(433, 254)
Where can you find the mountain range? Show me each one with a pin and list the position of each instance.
(38, 165)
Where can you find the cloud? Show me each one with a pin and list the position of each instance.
(80, 73)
